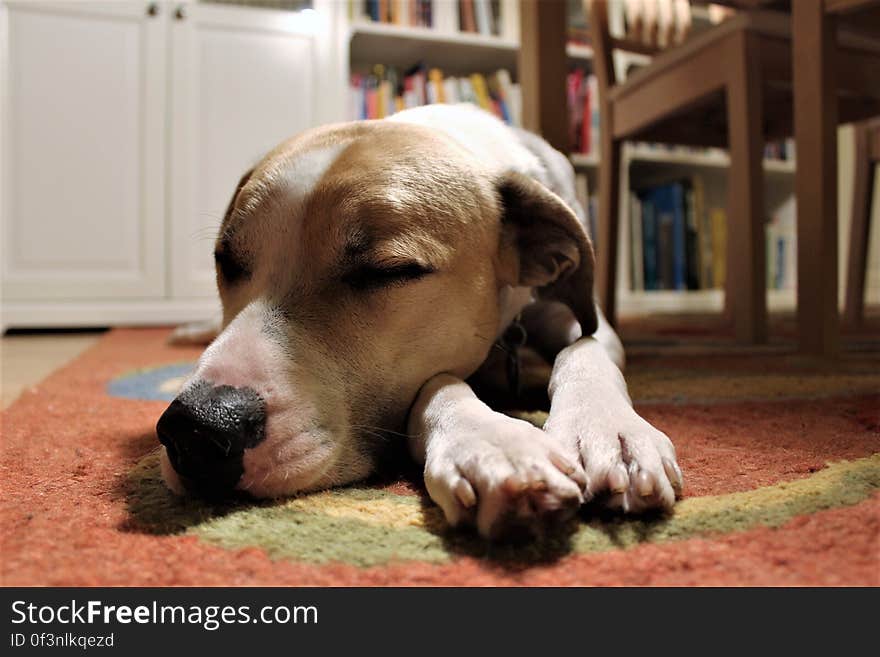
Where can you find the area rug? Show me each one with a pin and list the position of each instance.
(781, 458)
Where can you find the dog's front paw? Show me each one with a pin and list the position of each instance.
(195, 333)
(505, 477)
(629, 464)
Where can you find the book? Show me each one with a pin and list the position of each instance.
(373, 10)
(511, 94)
(692, 254)
(575, 91)
(650, 269)
(582, 195)
(782, 247)
(595, 127)
(483, 16)
(395, 10)
(592, 219)
(637, 265)
(704, 234)
(384, 92)
(466, 89)
(669, 211)
(467, 16)
(450, 90)
(665, 261)
(495, 15)
(445, 16)
(589, 100)
(718, 221)
(481, 91)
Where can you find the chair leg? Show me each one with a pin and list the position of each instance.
(609, 214)
(746, 278)
(859, 231)
(815, 122)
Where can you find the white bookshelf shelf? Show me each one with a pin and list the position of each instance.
(456, 53)
(432, 35)
(453, 51)
(711, 158)
(584, 160)
(706, 160)
(691, 301)
(579, 51)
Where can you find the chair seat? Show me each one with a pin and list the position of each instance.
(767, 23)
(703, 122)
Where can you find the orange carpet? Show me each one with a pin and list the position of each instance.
(781, 460)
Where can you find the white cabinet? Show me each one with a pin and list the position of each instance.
(124, 129)
(242, 80)
(83, 152)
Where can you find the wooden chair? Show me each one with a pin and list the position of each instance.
(867, 157)
(729, 86)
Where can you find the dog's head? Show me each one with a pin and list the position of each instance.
(354, 263)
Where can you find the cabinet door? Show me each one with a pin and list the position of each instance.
(243, 80)
(83, 150)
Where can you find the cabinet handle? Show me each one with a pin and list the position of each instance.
(153, 9)
(180, 13)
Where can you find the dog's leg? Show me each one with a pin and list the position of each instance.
(195, 333)
(622, 455)
(486, 468)
(552, 326)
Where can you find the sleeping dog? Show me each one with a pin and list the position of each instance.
(367, 270)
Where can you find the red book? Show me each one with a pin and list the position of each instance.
(468, 17)
(586, 121)
(575, 106)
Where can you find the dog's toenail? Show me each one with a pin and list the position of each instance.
(465, 494)
(673, 472)
(618, 480)
(644, 484)
(514, 485)
(562, 464)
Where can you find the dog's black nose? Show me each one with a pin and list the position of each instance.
(205, 432)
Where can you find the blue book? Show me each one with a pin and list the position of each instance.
(679, 236)
(779, 274)
(692, 246)
(671, 232)
(649, 242)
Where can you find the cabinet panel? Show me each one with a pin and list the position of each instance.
(83, 155)
(242, 81)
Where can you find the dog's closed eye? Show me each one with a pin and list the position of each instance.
(231, 268)
(371, 277)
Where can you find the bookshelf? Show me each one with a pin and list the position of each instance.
(631, 302)
(680, 157)
(459, 53)
(454, 52)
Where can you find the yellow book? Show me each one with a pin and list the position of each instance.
(481, 90)
(384, 98)
(718, 221)
(398, 104)
(435, 76)
(703, 235)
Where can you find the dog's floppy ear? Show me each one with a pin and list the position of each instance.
(241, 183)
(554, 253)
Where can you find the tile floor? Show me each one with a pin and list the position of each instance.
(26, 359)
